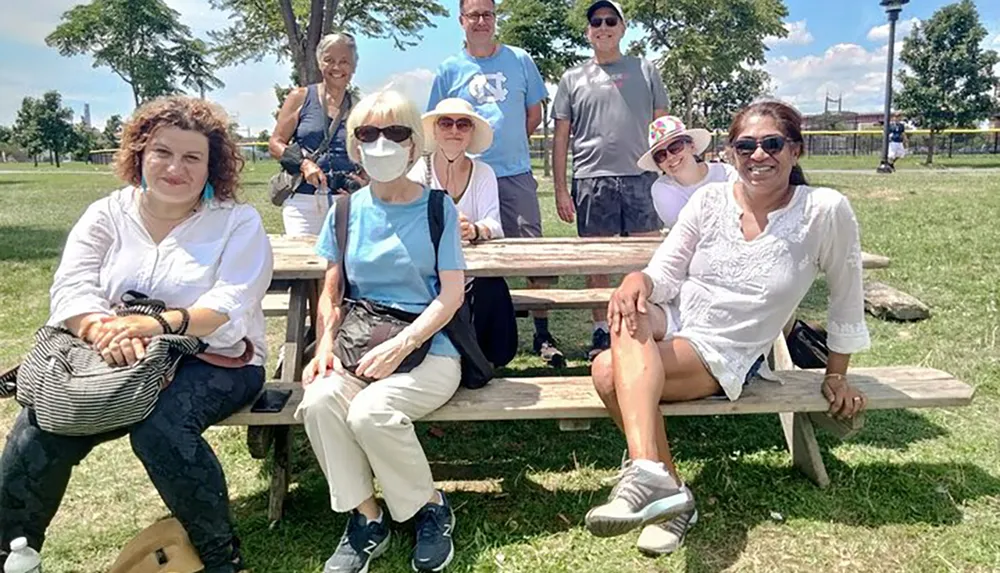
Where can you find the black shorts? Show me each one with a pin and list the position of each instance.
(610, 206)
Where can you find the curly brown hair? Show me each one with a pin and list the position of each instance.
(224, 159)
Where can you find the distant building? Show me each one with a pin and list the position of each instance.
(846, 120)
(85, 120)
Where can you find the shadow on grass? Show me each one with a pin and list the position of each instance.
(23, 244)
(11, 182)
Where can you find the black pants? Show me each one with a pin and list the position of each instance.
(36, 465)
(493, 318)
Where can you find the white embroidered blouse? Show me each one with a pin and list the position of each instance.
(730, 297)
(219, 259)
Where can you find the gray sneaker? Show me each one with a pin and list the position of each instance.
(640, 498)
(362, 541)
(667, 537)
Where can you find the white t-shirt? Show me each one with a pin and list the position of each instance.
(480, 202)
(669, 196)
(730, 297)
(219, 258)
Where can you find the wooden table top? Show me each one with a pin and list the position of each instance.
(294, 257)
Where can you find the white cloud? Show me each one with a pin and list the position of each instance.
(903, 29)
(848, 69)
(30, 22)
(996, 41)
(414, 84)
(798, 35)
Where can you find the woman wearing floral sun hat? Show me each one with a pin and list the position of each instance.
(674, 153)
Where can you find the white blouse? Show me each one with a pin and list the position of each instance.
(730, 297)
(670, 196)
(219, 259)
(480, 202)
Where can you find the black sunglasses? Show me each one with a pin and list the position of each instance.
(672, 148)
(462, 124)
(610, 22)
(746, 146)
(370, 133)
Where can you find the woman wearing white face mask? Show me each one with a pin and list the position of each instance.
(359, 430)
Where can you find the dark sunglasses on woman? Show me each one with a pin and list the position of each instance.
(610, 22)
(463, 124)
(746, 146)
(672, 148)
(370, 133)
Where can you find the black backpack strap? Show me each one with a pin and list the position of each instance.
(435, 218)
(342, 218)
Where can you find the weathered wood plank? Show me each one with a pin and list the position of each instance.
(574, 397)
(294, 257)
(883, 301)
(801, 439)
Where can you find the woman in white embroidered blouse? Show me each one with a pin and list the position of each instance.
(697, 321)
(177, 235)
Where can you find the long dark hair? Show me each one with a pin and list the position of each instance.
(789, 121)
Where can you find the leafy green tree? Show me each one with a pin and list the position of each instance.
(55, 125)
(291, 29)
(706, 46)
(142, 41)
(949, 81)
(112, 130)
(84, 140)
(27, 132)
(552, 32)
(6, 134)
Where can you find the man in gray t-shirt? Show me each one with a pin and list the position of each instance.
(604, 107)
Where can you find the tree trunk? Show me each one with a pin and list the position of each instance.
(52, 161)
(295, 42)
(930, 147)
(35, 157)
(688, 109)
(313, 35)
(545, 138)
(56, 154)
(329, 11)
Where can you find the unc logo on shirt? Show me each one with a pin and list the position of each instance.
(488, 88)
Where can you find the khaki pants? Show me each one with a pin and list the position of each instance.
(358, 430)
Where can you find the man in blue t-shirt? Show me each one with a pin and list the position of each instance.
(503, 85)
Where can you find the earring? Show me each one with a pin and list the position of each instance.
(142, 184)
(209, 193)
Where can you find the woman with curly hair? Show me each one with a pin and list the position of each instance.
(176, 234)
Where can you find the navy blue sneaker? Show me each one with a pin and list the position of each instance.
(435, 548)
(599, 342)
(362, 541)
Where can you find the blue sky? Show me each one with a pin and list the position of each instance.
(838, 47)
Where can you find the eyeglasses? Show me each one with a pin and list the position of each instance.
(672, 148)
(746, 146)
(484, 16)
(370, 133)
(610, 22)
(462, 124)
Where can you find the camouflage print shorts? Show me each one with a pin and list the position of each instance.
(610, 206)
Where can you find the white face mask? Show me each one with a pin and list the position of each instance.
(384, 160)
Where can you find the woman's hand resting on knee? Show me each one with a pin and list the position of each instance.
(628, 301)
(322, 364)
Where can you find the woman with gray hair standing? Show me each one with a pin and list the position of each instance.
(311, 137)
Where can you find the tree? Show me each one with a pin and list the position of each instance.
(27, 132)
(264, 135)
(291, 29)
(142, 41)
(552, 32)
(113, 130)
(55, 125)
(950, 81)
(706, 46)
(85, 139)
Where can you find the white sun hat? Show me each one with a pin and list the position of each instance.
(482, 135)
(665, 129)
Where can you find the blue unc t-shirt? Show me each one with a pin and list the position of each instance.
(390, 256)
(501, 88)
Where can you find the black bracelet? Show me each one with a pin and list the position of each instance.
(185, 321)
(163, 323)
(475, 238)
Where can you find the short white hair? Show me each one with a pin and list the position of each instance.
(386, 104)
(336, 38)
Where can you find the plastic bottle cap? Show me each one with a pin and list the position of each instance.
(18, 544)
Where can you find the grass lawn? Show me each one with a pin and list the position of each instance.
(915, 491)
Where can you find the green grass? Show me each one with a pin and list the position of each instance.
(915, 491)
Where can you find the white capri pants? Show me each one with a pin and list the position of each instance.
(360, 430)
(304, 214)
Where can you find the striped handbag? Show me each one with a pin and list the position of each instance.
(74, 392)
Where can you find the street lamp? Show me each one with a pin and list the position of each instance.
(892, 10)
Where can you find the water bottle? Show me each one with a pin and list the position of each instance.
(22, 559)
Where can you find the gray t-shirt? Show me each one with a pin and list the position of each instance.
(609, 108)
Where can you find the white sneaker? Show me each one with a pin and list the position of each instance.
(667, 537)
(640, 498)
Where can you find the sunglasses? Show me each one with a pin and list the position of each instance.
(477, 16)
(462, 124)
(746, 146)
(370, 133)
(610, 22)
(672, 148)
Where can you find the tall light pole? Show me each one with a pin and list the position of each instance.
(892, 10)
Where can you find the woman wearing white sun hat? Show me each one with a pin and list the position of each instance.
(454, 130)
(673, 153)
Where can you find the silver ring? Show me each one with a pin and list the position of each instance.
(857, 398)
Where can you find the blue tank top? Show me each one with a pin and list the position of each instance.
(311, 130)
